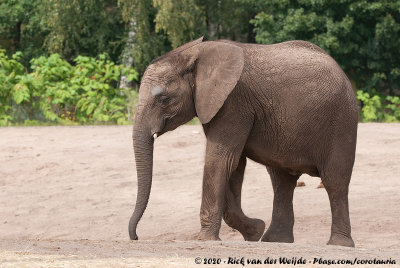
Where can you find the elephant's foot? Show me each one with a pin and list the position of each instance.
(341, 240)
(278, 235)
(254, 230)
(207, 236)
(134, 237)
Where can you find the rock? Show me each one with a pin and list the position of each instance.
(300, 184)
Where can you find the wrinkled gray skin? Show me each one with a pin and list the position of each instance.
(287, 106)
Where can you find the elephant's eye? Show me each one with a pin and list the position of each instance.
(163, 99)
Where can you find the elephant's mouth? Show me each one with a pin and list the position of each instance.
(161, 129)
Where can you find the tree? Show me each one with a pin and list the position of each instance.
(99, 29)
(127, 53)
(181, 20)
(145, 43)
(363, 36)
(230, 19)
(21, 28)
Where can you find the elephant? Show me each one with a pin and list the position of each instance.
(288, 106)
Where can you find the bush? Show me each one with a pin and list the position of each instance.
(10, 69)
(55, 91)
(379, 108)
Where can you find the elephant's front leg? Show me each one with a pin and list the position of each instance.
(221, 161)
(213, 201)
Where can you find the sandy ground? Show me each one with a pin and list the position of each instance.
(67, 194)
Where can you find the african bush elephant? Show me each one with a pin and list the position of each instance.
(288, 106)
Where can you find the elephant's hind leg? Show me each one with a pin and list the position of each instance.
(336, 175)
(251, 229)
(281, 227)
(337, 187)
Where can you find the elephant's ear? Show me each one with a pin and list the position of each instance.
(218, 69)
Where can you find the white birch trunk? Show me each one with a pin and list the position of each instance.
(127, 57)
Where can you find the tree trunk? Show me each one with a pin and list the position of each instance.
(127, 56)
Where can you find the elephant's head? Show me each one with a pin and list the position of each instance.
(192, 80)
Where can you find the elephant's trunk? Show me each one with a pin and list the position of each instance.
(143, 146)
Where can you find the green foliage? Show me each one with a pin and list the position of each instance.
(56, 91)
(69, 28)
(233, 18)
(147, 44)
(181, 20)
(194, 121)
(10, 70)
(22, 28)
(163, 25)
(363, 36)
(87, 27)
(379, 108)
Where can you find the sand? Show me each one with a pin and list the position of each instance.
(67, 194)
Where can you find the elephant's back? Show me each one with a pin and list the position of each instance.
(293, 44)
(296, 71)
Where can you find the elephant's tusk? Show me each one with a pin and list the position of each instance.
(155, 136)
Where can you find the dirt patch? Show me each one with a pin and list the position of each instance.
(67, 194)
